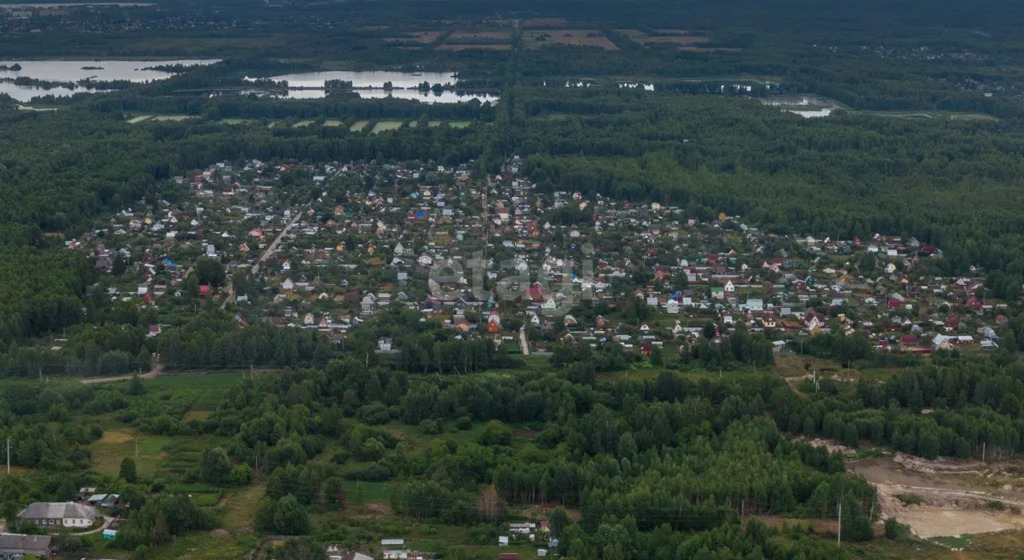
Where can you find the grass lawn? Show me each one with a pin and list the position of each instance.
(15, 470)
(154, 455)
(198, 415)
(458, 124)
(221, 380)
(358, 126)
(108, 451)
(206, 499)
(358, 492)
(204, 546)
(139, 119)
(241, 505)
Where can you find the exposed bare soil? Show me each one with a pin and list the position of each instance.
(956, 497)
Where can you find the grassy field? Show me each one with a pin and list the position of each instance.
(147, 450)
(204, 546)
(358, 126)
(240, 506)
(930, 115)
(14, 470)
(155, 455)
(358, 492)
(1008, 544)
(384, 126)
(221, 380)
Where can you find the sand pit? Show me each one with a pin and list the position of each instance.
(955, 497)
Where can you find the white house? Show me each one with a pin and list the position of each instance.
(64, 514)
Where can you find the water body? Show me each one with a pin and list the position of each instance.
(635, 85)
(370, 79)
(812, 114)
(75, 70)
(808, 107)
(370, 85)
(427, 96)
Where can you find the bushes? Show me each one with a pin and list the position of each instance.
(895, 530)
(496, 433)
(282, 517)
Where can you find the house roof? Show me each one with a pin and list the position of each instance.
(37, 545)
(58, 510)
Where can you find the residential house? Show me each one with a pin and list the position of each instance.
(62, 514)
(15, 547)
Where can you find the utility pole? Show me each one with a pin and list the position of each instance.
(839, 533)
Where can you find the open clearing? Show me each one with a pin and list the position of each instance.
(956, 497)
(358, 125)
(544, 22)
(423, 37)
(240, 506)
(568, 38)
(678, 37)
(479, 36)
(147, 450)
(384, 126)
(930, 115)
(466, 47)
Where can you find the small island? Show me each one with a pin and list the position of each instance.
(11, 68)
(92, 68)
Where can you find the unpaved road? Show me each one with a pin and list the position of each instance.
(230, 297)
(153, 373)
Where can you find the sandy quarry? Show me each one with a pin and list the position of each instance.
(955, 495)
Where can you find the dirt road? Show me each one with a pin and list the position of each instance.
(153, 373)
(230, 297)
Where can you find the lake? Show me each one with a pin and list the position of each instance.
(370, 85)
(811, 113)
(369, 79)
(807, 106)
(75, 70)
